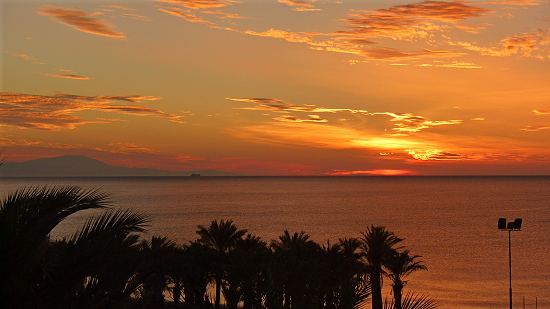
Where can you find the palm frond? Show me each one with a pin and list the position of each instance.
(111, 224)
(412, 300)
(27, 216)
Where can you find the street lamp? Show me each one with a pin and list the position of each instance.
(510, 226)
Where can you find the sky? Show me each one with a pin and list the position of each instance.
(280, 87)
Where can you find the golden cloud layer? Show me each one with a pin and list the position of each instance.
(411, 22)
(56, 112)
(80, 20)
(405, 123)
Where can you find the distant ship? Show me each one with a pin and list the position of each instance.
(195, 175)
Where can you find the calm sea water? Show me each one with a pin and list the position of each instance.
(450, 221)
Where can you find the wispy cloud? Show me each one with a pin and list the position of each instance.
(187, 16)
(311, 118)
(300, 5)
(515, 2)
(201, 4)
(404, 123)
(394, 54)
(80, 20)
(68, 75)
(532, 44)
(136, 17)
(224, 15)
(132, 148)
(56, 112)
(541, 112)
(410, 21)
(26, 57)
(535, 128)
(120, 7)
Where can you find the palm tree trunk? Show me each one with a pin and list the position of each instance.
(376, 286)
(177, 294)
(218, 292)
(397, 294)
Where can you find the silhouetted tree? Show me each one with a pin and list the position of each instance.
(27, 217)
(196, 272)
(97, 266)
(378, 246)
(246, 272)
(399, 266)
(297, 259)
(221, 237)
(355, 286)
(159, 264)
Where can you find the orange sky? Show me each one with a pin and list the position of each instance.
(287, 87)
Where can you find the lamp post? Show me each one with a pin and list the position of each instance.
(510, 226)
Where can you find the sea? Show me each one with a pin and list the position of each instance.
(450, 221)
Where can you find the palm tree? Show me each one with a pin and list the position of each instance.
(74, 272)
(399, 266)
(99, 264)
(221, 237)
(27, 217)
(297, 260)
(246, 272)
(194, 269)
(355, 287)
(378, 245)
(160, 259)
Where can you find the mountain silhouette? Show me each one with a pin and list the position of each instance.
(82, 166)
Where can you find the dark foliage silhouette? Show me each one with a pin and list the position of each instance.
(107, 263)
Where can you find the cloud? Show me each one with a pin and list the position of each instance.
(436, 10)
(282, 106)
(534, 128)
(281, 34)
(405, 123)
(436, 155)
(514, 2)
(68, 74)
(224, 15)
(80, 20)
(56, 112)
(120, 7)
(333, 137)
(187, 16)
(394, 54)
(201, 4)
(299, 5)
(26, 57)
(311, 118)
(132, 148)
(137, 17)
(410, 21)
(408, 123)
(541, 112)
(531, 44)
